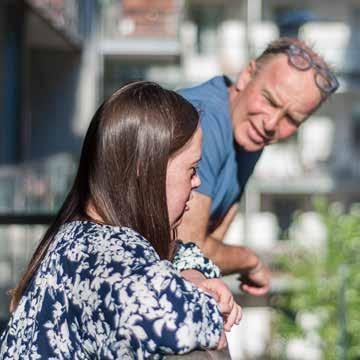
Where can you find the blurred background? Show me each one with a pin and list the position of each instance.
(60, 58)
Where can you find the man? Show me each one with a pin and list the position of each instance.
(271, 98)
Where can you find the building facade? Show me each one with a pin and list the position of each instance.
(48, 91)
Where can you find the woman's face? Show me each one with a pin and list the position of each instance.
(182, 177)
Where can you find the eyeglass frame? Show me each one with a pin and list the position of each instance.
(292, 50)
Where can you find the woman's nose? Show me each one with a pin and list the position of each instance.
(196, 181)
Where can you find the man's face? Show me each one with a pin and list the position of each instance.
(273, 104)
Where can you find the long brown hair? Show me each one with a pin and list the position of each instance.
(122, 169)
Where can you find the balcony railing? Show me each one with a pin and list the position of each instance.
(35, 188)
(30, 194)
(337, 42)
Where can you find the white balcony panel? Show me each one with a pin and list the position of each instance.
(331, 40)
(309, 231)
(305, 184)
(279, 161)
(140, 47)
(233, 46)
(261, 34)
(262, 231)
(188, 33)
(249, 339)
(259, 231)
(235, 233)
(303, 349)
(199, 68)
(316, 138)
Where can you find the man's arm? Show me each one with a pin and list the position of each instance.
(193, 228)
(230, 259)
(220, 231)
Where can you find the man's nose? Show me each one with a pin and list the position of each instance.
(271, 123)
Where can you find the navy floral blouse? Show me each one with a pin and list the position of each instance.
(102, 292)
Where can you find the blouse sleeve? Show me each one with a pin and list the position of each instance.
(164, 314)
(189, 256)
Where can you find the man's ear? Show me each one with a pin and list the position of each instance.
(246, 75)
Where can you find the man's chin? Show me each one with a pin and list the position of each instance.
(251, 146)
(247, 143)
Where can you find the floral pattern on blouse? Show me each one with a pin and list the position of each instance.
(102, 292)
(189, 256)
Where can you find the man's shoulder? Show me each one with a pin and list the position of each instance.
(208, 94)
(211, 100)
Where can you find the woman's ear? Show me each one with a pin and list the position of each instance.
(246, 76)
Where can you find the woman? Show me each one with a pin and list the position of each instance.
(100, 284)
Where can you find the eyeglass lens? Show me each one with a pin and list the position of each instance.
(301, 62)
(324, 81)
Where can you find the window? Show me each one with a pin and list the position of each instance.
(118, 72)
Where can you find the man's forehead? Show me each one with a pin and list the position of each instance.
(279, 65)
(286, 82)
(280, 71)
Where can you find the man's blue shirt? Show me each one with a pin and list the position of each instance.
(225, 167)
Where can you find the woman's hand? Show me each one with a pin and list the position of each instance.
(230, 310)
(216, 288)
(222, 342)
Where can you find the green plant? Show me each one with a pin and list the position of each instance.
(326, 284)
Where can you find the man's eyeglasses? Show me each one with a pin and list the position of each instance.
(301, 60)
